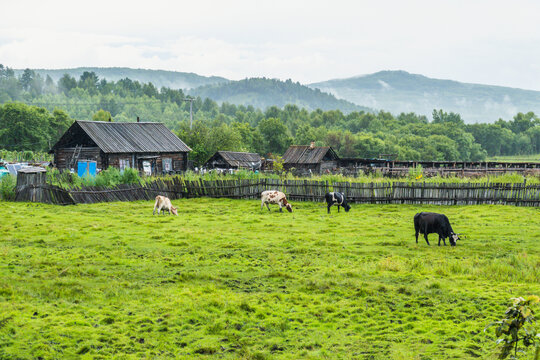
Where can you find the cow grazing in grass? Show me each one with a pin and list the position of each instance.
(336, 198)
(275, 197)
(428, 223)
(164, 204)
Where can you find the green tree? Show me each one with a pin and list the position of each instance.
(441, 117)
(89, 82)
(196, 140)
(66, 83)
(59, 123)
(102, 115)
(523, 122)
(275, 135)
(26, 79)
(305, 134)
(534, 134)
(24, 127)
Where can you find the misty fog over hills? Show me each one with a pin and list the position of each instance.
(400, 91)
(262, 93)
(170, 79)
(393, 91)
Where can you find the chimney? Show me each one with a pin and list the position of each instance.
(110, 120)
(312, 146)
(138, 120)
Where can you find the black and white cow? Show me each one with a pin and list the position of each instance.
(336, 198)
(428, 223)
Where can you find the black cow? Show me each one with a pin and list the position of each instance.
(336, 198)
(428, 223)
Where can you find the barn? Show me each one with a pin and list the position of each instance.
(234, 160)
(304, 158)
(146, 146)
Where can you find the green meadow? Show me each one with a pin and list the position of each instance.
(226, 280)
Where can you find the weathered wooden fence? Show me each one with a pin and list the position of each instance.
(44, 193)
(296, 190)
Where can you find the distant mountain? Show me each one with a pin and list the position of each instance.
(170, 79)
(263, 92)
(399, 91)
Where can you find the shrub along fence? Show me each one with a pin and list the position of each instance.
(296, 190)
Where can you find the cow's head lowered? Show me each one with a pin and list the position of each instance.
(174, 210)
(287, 205)
(453, 238)
(346, 206)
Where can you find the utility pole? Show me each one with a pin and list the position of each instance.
(190, 99)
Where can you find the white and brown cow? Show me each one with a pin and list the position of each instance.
(275, 197)
(164, 204)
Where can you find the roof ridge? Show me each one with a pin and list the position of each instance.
(121, 122)
(237, 152)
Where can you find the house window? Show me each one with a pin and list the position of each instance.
(124, 164)
(167, 164)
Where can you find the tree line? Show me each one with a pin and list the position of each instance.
(36, 112)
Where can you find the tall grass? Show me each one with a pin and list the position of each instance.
(113, 177)
(7, 187)
(106, 178)
(515, 158)
(30, 156)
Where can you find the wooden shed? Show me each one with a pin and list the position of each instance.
(303, 158)
(234, 160)
(31, 176)
(146, 146)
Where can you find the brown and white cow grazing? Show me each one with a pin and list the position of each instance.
(164, 204)
(275, 197)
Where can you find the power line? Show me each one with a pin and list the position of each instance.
(92, 104)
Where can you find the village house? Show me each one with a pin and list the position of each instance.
(146, 146)
(227, 160)
(305, 158)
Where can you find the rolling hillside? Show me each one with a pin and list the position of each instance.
(171, 79)
(399, 91)
(262, 93)
(393, 91)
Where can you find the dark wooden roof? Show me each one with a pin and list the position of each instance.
(237, 159)
(132, 137)
(305, 154)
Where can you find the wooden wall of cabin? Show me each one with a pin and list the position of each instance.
(178, 160)
(327, 165)
(319, 168)
(63, 156)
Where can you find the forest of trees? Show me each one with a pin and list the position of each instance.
(34, 112)
(262, 93)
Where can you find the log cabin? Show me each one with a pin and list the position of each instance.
(149, 147)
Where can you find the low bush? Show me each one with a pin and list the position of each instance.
(7, 188)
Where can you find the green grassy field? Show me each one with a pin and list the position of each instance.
(516, 158)
(226, 280)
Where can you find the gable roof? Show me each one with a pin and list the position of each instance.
(305, 154)
(238, 159)
(131, 137)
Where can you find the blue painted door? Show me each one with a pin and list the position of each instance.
(82, 166)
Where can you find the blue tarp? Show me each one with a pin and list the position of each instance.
(14, 168)
(3, 172)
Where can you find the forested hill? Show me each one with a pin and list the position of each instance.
(36, 111)
(262, 93)
(399, 91)
(170, 79)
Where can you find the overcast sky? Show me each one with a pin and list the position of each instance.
(489, 42)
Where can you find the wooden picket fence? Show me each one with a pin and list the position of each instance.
(296, 190)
